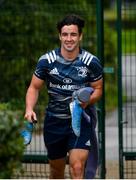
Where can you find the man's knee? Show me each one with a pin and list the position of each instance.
(77, 169)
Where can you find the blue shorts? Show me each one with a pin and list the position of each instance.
(59, 137)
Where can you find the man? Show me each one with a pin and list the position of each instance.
(65, 70)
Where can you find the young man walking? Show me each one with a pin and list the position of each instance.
(65, 70)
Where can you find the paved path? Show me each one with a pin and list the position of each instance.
(111, 136)
(129, 75)
(129, 109)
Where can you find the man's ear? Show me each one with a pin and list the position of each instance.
(59, 37)
(81, 35)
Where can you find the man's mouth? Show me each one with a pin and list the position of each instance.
(69, 44)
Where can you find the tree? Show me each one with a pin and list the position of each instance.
(28, 29)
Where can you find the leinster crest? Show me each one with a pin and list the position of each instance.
(82, 71)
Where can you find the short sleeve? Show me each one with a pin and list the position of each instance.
(95, 70)
(41, 68)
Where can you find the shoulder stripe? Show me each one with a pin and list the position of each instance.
(84, 56)
(51, 57)
(90, 59)
(48, 58)
(54, 54)
(87, 58)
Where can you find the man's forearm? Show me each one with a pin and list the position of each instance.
(95, 96)
(98, 90)
(31, 98)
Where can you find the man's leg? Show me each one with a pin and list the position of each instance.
(57, 168)
(57, 152)
(77, 161)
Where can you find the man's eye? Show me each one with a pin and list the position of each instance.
(64, 34)
(73, 34)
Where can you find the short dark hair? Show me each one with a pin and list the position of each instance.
(71, 19)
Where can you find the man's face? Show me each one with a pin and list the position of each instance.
(70, 37)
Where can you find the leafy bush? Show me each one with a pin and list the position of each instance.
(11, 145)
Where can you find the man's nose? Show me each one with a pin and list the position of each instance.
(69, 37)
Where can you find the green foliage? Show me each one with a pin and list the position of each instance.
(11, 146)
(28, 29)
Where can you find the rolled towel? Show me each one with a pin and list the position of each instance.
(79, 96)
(76, 114)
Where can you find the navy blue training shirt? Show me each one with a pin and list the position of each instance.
(63, 77)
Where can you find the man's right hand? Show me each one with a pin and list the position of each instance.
(31, 116)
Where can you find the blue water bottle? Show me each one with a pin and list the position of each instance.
(79, 96)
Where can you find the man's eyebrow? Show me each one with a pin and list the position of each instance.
(69, 33)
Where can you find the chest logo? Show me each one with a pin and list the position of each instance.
(54, 71)
(67, 80)
(82, 71)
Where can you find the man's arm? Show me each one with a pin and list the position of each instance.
(96, 95)
(32, 97)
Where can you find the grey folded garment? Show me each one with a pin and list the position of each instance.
(83, 94)
(79, 96)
